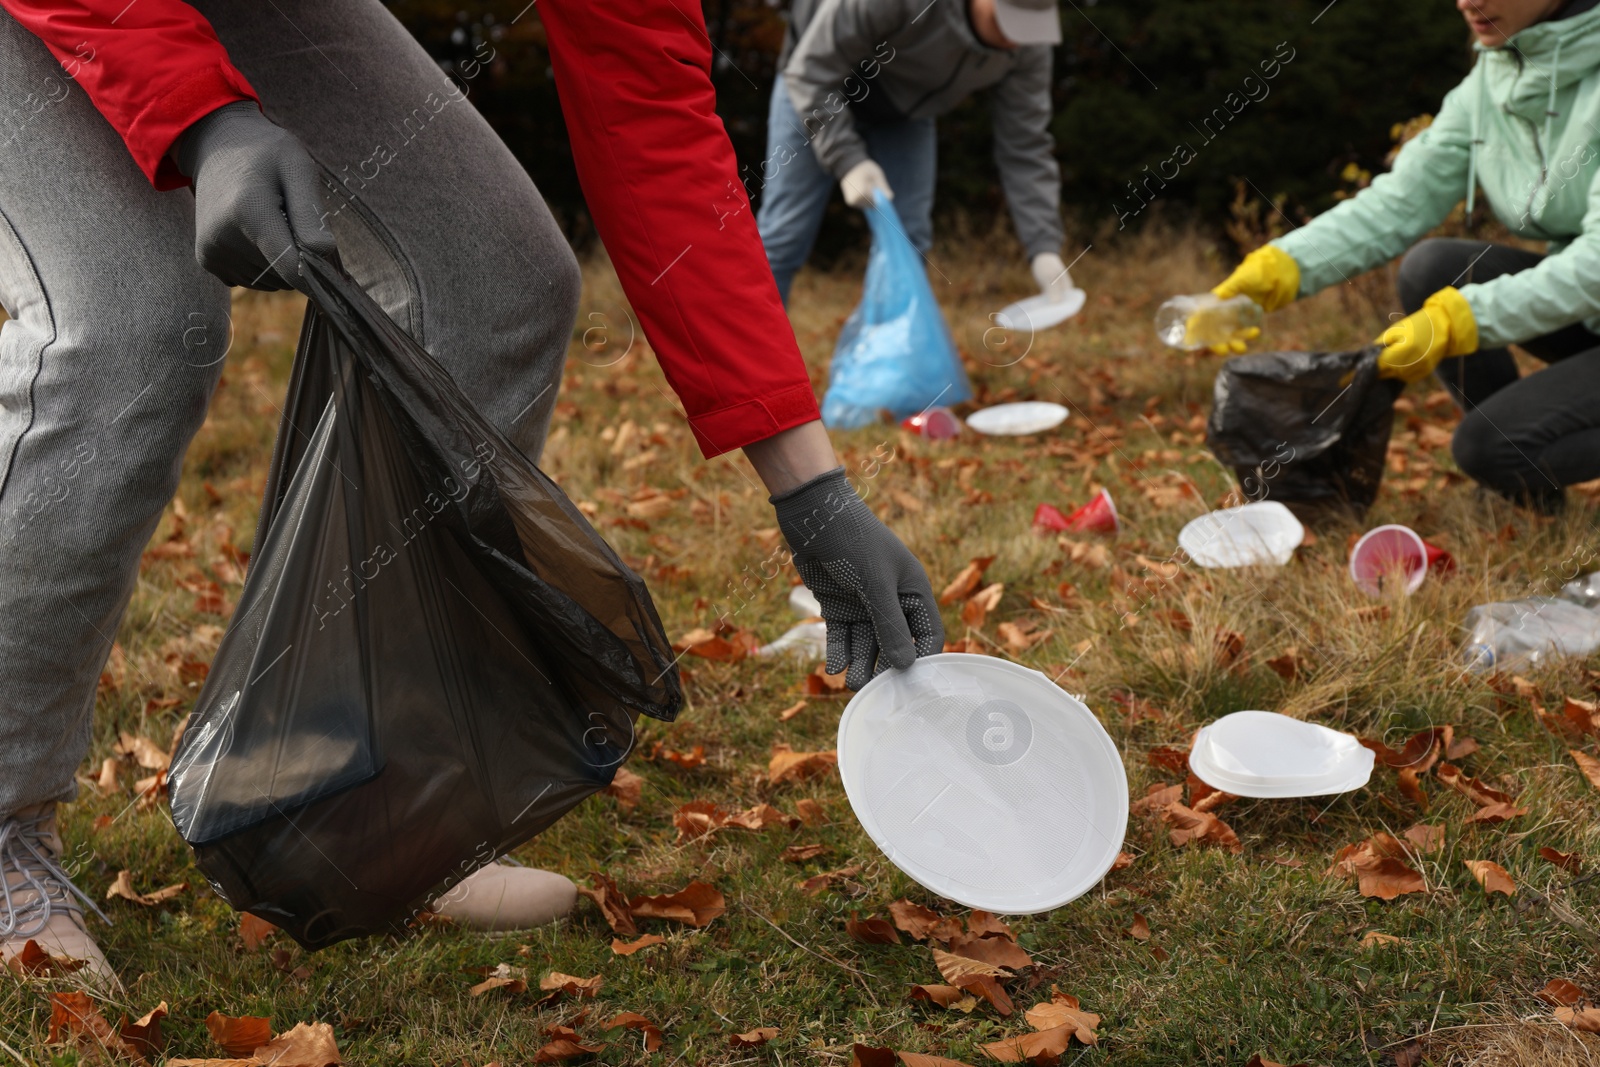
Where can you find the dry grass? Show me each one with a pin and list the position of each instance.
(1265, 952)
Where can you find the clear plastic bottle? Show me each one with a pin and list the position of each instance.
(1530, 632)
(1206, 321)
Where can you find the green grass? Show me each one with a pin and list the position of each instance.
(1264, 952)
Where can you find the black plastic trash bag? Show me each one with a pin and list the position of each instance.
(434, 655)
(1307, 429)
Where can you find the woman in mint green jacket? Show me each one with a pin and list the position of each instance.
(1524, 126)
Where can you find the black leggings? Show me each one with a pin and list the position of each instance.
(1525, 438)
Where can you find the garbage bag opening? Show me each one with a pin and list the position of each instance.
(433, 658)
(895, 352)
(1307, 429)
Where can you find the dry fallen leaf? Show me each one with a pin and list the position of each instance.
(564, 1048)
(254, 930)
(1140, 930)
(571, 985)
(791, 711)
(753, 1038)
(627, 788)
(810, 812)
(1374, 938)
(955, 968)
(123, 887)
(976, 610)
(627, 948)
(1560, 993)
(787, 765)
(814, 885)
(1157, 799)
(1200, 827)
(632, 1020)
(75, 1019)
(696, 904)
(1493, 813)
(687, 760)
(762, 817)
(1063, 1011)
(239, 1035)
(1567, 861)
(871, 931)
(946, 996)
(982, 924)
(802, 853)
(35, 960)
(995, 951)
(1288, 666)
(698, 818)
(1425, 837)
(1493, 877)
(966, 582)
(1471, 788)
(922, 923)
(1377, 867)
(502, 976)
(1588, 765)
(613, 905)
(1585, 1020)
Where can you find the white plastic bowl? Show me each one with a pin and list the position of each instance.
(1031, 416)
(1264, 754)
(1252, 534)
(984, 782)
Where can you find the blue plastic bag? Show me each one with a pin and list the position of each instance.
(895, 350)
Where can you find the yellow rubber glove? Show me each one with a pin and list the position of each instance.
(1413, 347)
(1269, 276)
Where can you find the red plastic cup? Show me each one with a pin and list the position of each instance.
(936, 424)
(1439, 561)
(1387, 555)
(1099, 515)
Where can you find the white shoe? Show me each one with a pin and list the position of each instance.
(501, 897)
(39, 903)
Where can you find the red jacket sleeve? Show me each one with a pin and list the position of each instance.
(151, 67)
(658, 171)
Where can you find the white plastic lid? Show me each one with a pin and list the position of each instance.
(1264, 754)
(1265, 532)
(1030, 416)
(1040, 312)
(984, 782)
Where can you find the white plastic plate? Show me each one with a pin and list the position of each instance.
(1030, 416)
(1040, 312)
(1264, 754)
(984, 782)
(1251, 534)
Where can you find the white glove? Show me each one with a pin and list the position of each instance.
(861, 181)
(1051, 274)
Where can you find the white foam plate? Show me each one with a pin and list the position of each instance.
(1030, 416)
(1040, 312)
(1265, 532)
(1264, 754)
(984, 782)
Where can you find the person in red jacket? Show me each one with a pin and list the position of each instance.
(321, 124)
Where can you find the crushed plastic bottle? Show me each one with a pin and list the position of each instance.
(1534, 630)
(1206, 321)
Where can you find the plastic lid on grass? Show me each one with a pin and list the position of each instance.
(1040, 312)
(1264, 754)
(1029, 416)
(984, 782)
(1252, 534)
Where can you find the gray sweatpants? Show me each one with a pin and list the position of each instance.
(107, 362)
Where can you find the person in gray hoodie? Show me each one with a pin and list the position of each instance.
(860, 85)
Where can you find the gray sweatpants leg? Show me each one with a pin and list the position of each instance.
(100, 387)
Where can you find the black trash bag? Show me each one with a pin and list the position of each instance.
(434, 655)
(1307, 429)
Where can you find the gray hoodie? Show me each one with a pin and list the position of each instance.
(883, 60)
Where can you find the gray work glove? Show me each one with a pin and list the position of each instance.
(874, 593)
(256, 195)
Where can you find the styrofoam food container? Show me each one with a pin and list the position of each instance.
(1264, 532)
(1029, 416)
(984, 782)
(1040, 312)
(1264, 754)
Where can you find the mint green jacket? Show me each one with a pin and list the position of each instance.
(1525, 126)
